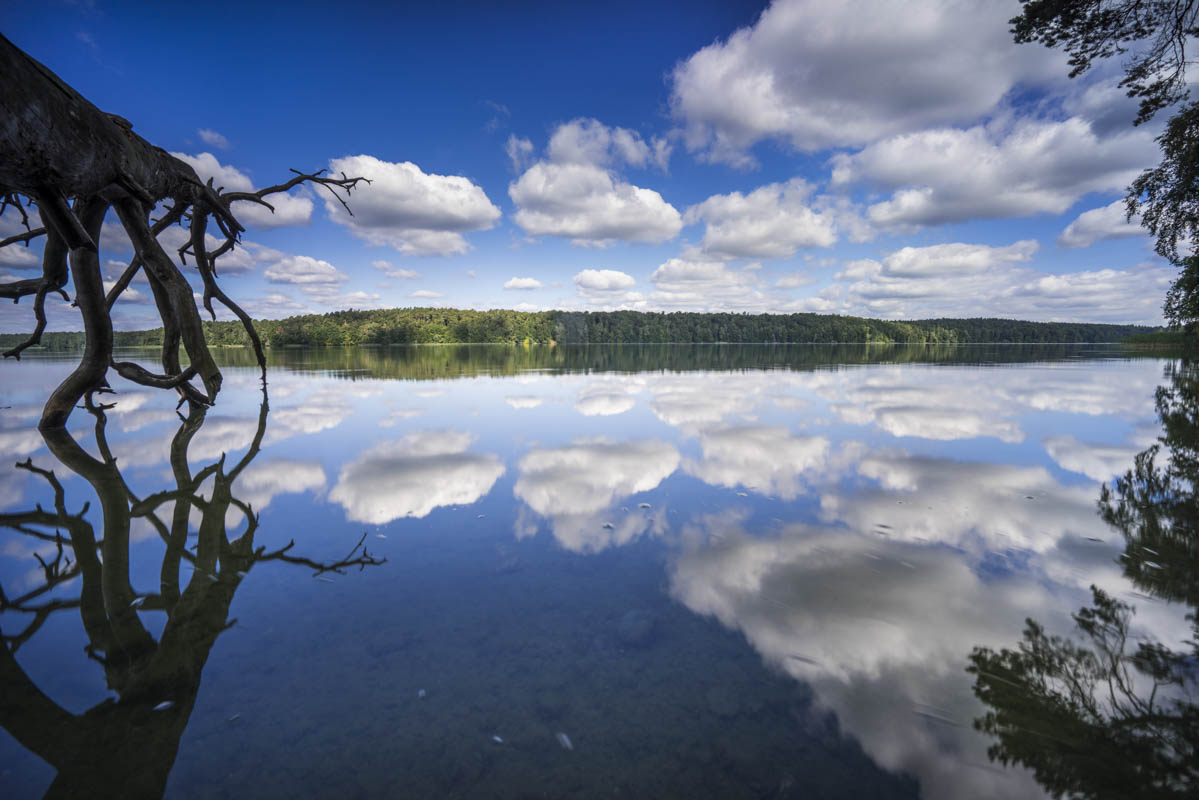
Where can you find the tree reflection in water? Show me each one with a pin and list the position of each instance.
(127, 746)
(1110, 716)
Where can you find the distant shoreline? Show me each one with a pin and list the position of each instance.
(405, 326)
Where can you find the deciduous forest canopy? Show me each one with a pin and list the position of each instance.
(450, 325)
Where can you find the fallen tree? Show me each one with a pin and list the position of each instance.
(64, 163)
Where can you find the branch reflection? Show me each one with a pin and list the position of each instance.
(126, 747)
(1113, 713)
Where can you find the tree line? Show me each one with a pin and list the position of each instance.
(460, 326)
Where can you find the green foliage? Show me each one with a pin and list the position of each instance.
(1171, 338)
(451, 326)
(1182, 301)
(1168, 194)
(1152, 40)
(1097, 719)
(457, 326)
(1113, 717)
(1155, 505)
(1152, 37)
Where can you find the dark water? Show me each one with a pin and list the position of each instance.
(762, 572)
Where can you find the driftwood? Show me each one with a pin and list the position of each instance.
(73, 162)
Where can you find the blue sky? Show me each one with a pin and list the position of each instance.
(880, 158)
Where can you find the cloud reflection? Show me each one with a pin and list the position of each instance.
(414, 475)
(764, 459)
(572, 485)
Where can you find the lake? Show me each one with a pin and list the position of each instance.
(651, 571)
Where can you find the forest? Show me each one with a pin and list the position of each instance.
(461, 326)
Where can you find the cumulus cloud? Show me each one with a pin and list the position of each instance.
(414, 475)
(604, 396)
(19, 256)
(575, 192)
(522, 283)
(974, 505)
(213, 139)
(589, 141)
(608, 289)
(818, 75)
(425, 293)
(575, 485)
(588, 476)
(395, 272)
(768, 460)
(1029, 167)
(706, 285)
(1100, 462)
(291, 208)
(414, 212)
(773, 221)
(129, 295)
(872, 657)
(304, 271)
(1100, 224)
(925, 403)
(590, 206)
(263, 480)
(604, 280)
(971, 280)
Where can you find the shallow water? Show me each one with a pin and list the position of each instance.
(719, 571)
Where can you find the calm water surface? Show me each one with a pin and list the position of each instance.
(762, 572)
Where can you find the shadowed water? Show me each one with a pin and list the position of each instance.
(693, 571)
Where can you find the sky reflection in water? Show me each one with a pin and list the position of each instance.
(560, 531)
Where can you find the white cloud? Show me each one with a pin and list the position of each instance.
(793, 280)
(608, 289)
(764, 459)
(264, 480)
(414, 475)
(590, 205)
(304, 271)
(1100, 224)
(972, 505)
(818, 75)
(1100, 462)
(604, 280)
(411, 211)
(213, 139)
(970, 280)
(575, 485)
(19, 256)
(520, 152)
(589, 141)
(588, 476)
(1030, 167)
(129, 295)
(426, 293)
(291, 208)
(872, 657)
(605, 396)
(773, 221)
(395, 272)
(707, 286)
(522, 283)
